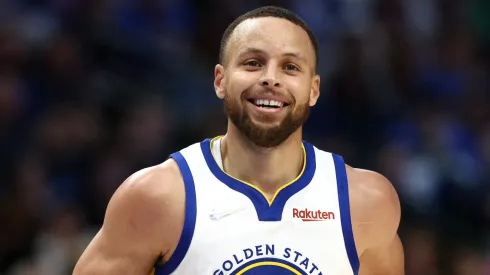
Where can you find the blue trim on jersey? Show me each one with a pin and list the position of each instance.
(189, 220)
(345, 218)
(264, 211)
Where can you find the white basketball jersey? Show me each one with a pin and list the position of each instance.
(231, 228)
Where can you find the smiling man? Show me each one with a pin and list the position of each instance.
(257, 200)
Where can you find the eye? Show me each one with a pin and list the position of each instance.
(252, 63)
(291, 67)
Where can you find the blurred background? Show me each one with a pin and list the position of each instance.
(93, 90)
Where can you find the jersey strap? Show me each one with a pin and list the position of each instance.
(345, 217)
(189, 220)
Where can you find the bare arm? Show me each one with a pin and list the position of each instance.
(143, 221)
(381, 249)
(387, 259)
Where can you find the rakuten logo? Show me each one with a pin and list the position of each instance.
(310, 216)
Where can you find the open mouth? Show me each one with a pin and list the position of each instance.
(267, 104)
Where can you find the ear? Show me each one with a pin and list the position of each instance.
(315, 90)
(219, 81)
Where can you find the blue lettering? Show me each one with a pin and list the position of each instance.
(305, 263)
(237, 261)
(258, 250)
(269, 250)
(248, 253)
(229, 267)
(297, 256)
(314, 268)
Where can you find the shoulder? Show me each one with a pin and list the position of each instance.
(151, 185)
(370, 188)
(375, 207)
(149, 202)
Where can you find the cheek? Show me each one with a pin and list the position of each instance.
(301, 92)
(240, 82)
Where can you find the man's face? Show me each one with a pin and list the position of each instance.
(268, 82)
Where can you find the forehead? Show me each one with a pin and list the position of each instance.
(271, 35)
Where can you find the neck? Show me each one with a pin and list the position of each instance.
(266, 168)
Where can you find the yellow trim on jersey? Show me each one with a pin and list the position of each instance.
(255, 187)
(152, 272)
(268, 264)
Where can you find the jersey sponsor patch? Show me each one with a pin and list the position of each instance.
(268, 259)
(311, 216)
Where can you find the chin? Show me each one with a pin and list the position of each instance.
(266, 124)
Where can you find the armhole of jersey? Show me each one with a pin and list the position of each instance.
(345, 217)
(189, 219)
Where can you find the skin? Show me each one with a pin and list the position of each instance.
(152, 201)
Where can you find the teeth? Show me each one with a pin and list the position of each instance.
(266, 102)
(276, 103)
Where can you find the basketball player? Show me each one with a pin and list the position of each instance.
(257, 200)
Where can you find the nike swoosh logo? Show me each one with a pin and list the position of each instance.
(219, 215)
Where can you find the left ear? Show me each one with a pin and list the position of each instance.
(314, 90)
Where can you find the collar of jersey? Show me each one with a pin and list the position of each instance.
(268, 210)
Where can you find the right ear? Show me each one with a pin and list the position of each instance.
(219, 81)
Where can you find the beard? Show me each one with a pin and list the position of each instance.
(265, 136)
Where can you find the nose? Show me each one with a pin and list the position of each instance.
(269, 79)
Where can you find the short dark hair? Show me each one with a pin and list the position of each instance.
(268, 11)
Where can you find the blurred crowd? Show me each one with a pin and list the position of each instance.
(93, 90)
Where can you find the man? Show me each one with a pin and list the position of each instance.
(258, 200)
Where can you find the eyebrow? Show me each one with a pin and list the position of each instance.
(259, 51)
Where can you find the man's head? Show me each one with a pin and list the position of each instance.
(267, 74)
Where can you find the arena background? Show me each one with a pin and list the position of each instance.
(93, 90)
